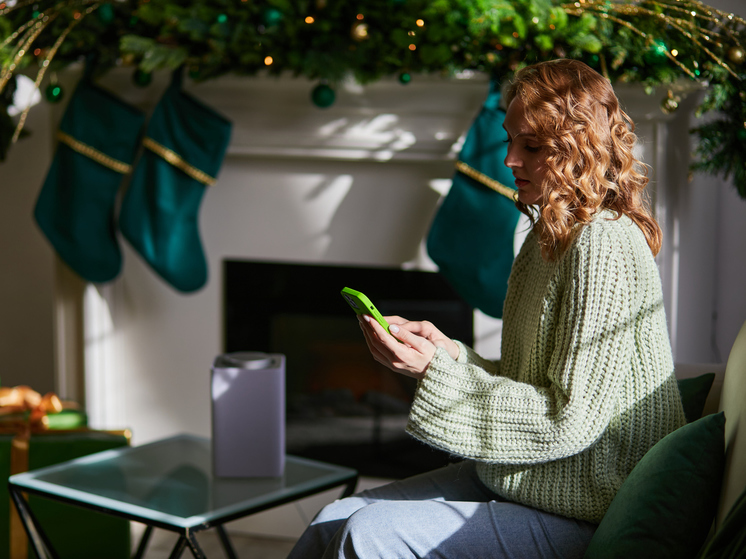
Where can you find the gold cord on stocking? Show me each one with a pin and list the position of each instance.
(497, 186)
(93, 153)
(175, 159)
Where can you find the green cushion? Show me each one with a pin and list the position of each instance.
(666, 506)
(694, 393)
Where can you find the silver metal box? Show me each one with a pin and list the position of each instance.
(248, 414)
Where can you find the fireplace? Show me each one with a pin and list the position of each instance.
(342, 406)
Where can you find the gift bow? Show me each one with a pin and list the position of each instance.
(22, 400)
(24, 411)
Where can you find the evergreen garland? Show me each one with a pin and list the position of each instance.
(650, 42)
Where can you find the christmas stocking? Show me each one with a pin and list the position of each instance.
(98, 140)
(184, 146)
(471, 237)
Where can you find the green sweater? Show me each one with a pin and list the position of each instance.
(585, 383)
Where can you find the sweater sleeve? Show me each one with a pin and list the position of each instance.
(470, 410)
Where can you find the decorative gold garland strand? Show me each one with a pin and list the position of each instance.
(26, 41)
(699, 11)
(175, 159)
(31, 31)
(13, 36)
(45, 65)
(93, 153)
(489, 182)
(16, 6)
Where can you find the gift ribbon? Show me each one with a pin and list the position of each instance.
(176, 160)
(23, 399)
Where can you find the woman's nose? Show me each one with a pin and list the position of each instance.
(511, 160)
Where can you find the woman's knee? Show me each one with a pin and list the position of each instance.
(371, 532)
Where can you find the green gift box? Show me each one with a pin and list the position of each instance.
(74, 532)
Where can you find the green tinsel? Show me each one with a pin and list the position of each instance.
(653, 43)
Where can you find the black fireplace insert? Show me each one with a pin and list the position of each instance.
(342, 406)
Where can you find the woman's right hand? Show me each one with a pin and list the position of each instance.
(410, 346)
(427, 330)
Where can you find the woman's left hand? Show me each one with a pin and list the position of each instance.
(412, 356)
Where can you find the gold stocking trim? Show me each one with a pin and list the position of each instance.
(497, 186)
(93, 153)
(175, 159)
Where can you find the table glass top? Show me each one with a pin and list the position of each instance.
(171, 482)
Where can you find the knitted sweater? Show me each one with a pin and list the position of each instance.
(585, 384)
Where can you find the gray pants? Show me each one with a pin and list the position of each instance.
(447, 513)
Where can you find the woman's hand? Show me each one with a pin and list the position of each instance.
(418, 340)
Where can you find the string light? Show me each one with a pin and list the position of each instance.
(309, 19)
(420, 23)
(268, 60)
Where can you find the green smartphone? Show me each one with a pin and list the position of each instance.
(362, 305)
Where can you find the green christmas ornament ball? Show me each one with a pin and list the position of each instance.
(272, 17)
(323, 96)
(106, 13)
(54, 93)
(141, 78)
(656, 52)
(405, 78)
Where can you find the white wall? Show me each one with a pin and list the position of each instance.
(27, 263)
(730, 269)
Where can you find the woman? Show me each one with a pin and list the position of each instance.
(585, 384)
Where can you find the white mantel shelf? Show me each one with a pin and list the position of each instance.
(423, 121)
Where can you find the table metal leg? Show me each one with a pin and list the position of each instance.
(227, 546)
(178, 548)
(350, 488)
(187, 539)
(143, 543)
(191, 541)
(37, 538)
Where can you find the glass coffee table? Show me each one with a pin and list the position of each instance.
(168, 484)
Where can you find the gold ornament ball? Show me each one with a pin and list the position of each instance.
(670, 103)
(359, 31)
(736, 55)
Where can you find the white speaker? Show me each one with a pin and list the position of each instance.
(248, 414)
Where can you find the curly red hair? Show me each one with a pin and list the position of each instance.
(589, 139)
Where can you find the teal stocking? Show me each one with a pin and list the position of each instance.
(471, 237)
(98, 139)
(185, 145)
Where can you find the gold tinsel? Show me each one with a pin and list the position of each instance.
(26, 35)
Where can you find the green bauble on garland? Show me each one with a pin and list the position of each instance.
(323, 96)
(272, 17)
(54, 93)
(106, 13)
(141, 78)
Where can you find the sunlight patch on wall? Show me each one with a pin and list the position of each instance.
(101, 397)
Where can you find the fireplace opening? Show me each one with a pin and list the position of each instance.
(342, 406)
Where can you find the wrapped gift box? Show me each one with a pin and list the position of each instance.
(74, 532)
